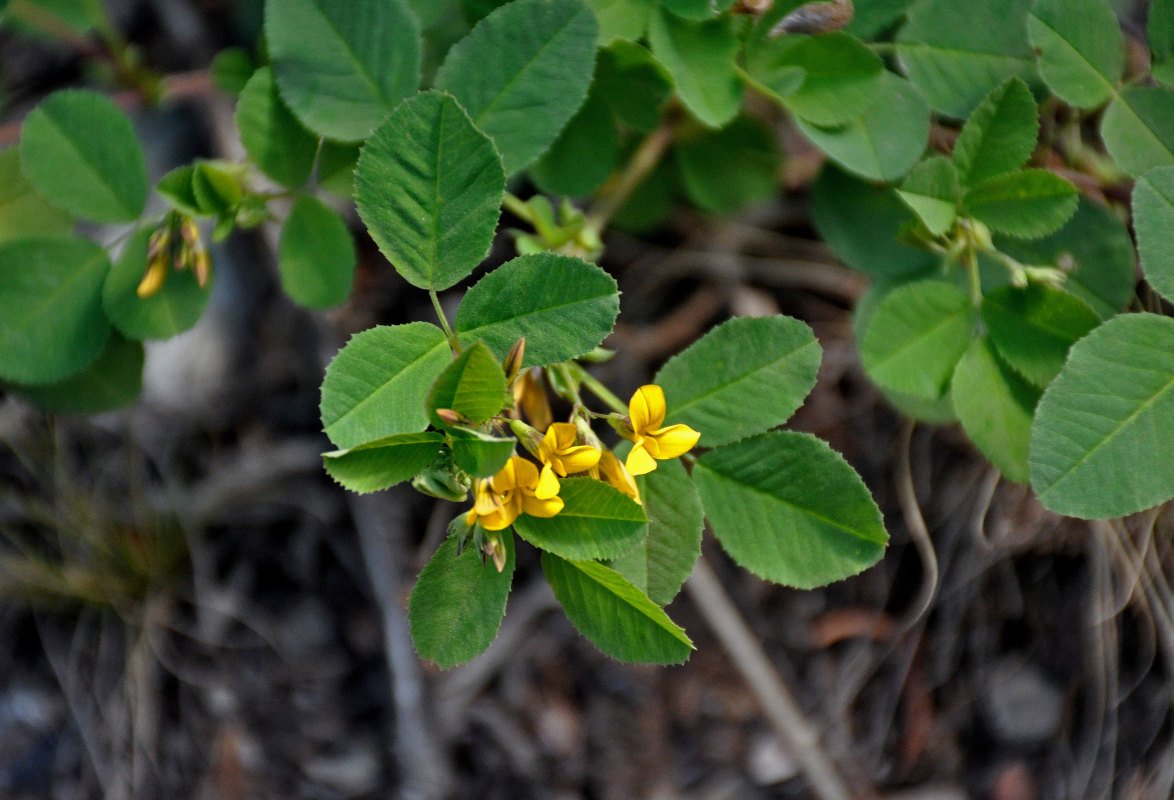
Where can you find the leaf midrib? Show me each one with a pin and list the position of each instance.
(678, 408)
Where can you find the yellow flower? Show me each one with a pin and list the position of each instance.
(514, 490)
(559, 453)
(612, 471)
(649, 440)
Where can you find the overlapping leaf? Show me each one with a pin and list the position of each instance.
(597, 521)
(378, 465)
(316, 255)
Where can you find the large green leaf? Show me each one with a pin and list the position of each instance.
(458, 603)
(790, 509)
(999, 136)
(1033, 327)
(633, 83)
(1096, 251)
(52, 326)
(1138, 128)
(958, 52)
(700, 57)
(1153, 220)
(1027, 204)
(597, 521)
(563, 306)
(860, 221)
(584, 154)
(316, 255)
(23, 212)
(177, 306)
(480, 454)
(79, 150)
(617, 617)
(1160, 30)
(376, 385)
(1104, 428)
(429, 186)
(342, 65)
(994, 406)
(274, 139)
(842, 77)
(112, 381)
(743, 377)
(1080, 47)
(523, 72)
(885, 140)
(661, 562)
(932, 191)
(916, 337)
(473, 385)
(622, 19)
(380, 464)
(726, 169)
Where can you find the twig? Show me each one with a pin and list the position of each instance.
(918, 532)
(778, 704)
(380, 520)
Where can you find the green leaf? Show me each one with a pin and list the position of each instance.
(958, 52)
(633, 83)
(1160, 29)
(79, 151)
(342, 65)
(1104, 428)
(597, 521)
(584, 154)
(994, 406)
(1080, 48)
(112, 381)
(458, 603)
(885, 141)
(743, 377)
(874, 17)
(916, 337)
(1034, 327)
(621, 19)
(1027, 204)
(336, 167)
(522, 73)
(727, 169)
(1138, 128)
(790, 509)
(23, 212)
(700, 58)
(40, 16)
(376, 385)
(563, 306)
(842, 77)
(383, 463)
(1096, 251)
(473, 385)
(316, 255)
(650, 204)
(860, 222)
(698, 10)
(429, 187)
(479, 454)
(177, 190)
(216, 187)
(932, 191)
(660, 563)
(274, 139)
(231, 70)
(1153, 220)
(177, 306)
(617, 617)
(1000, 135)
(51, 292)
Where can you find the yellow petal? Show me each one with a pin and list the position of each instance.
(538, 507)
(647, 408)
(153, 278)
(563, 434)
(547, 484)
(639, 462)
(498, 520)
(617, 475)
(579, 459)
(673, 441)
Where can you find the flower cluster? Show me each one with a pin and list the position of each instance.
(175, 243)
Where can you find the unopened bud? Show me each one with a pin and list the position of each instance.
(813, 18)
(622, 425)
(528, 436)
(513, 360)
(450, 417)
(586, 435)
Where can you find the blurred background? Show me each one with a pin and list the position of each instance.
(191, 608)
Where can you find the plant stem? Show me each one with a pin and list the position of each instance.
(777, 702)
(517, 207)
(452, 338)
(599, 390)
(619, 188)
(973, 274)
